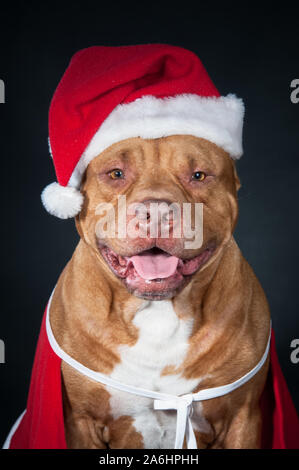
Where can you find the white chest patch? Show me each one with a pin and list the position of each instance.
(163, 341)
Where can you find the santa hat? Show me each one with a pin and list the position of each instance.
(109, 94)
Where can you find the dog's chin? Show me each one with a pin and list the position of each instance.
(166, 286)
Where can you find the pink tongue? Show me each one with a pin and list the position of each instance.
(154, 266)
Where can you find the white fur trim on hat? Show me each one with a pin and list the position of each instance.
(217, 119)
(62, 201)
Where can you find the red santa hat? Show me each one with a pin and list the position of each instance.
(108, 94)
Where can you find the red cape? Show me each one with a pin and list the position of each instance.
(42, 426)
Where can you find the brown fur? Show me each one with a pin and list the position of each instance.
(92, 311)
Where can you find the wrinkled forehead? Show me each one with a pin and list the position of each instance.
(170, 152)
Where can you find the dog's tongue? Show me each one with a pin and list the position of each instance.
(150, 266)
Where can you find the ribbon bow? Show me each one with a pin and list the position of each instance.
(184, 407)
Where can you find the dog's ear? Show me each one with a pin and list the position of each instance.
(78, 216)
(80, 229)
(78, 225)
(237, 179)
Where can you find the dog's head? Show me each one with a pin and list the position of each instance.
(138, 195)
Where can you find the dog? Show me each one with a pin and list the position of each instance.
(157, 334)
(180, 334)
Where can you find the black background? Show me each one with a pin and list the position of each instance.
(249, 50)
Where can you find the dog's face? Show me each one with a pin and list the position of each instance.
(151, 174)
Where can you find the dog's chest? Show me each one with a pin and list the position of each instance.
(163, 341)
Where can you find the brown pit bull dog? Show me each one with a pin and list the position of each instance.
(155, 336)
(205, 325)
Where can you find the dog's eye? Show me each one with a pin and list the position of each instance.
(199, 176)
(116, 174)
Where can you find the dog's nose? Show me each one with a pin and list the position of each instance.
(157, 214)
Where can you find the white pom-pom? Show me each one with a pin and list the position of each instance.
(62, 201)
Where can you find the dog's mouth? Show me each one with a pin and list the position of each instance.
(154, 273)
